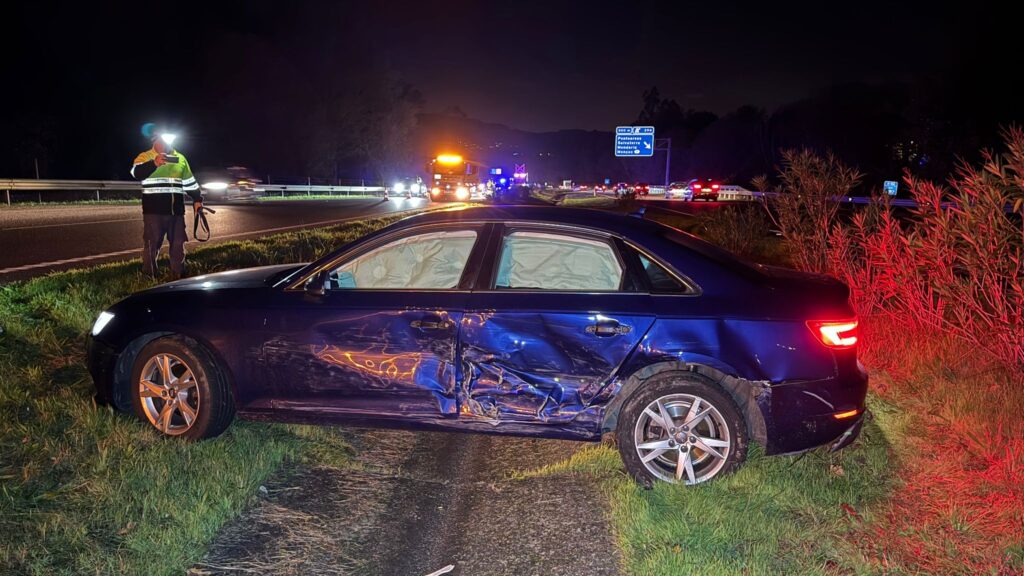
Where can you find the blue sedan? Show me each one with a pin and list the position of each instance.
(530, 321)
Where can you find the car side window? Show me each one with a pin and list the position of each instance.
(430, 261)
(551, 261)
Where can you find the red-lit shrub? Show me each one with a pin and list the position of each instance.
(954, 265)
(804, 206)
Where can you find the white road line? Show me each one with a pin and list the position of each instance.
(70, 224)
(136, 250)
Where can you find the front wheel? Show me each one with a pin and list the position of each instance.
(178, 389)
(680, 428)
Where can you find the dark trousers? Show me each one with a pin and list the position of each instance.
(155, 227)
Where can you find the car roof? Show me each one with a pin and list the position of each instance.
(630, 226)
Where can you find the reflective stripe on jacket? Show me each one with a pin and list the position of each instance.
(164, 187)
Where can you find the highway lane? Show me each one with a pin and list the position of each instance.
(37, 240)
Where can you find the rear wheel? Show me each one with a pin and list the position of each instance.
(680, 428)
(178, 389)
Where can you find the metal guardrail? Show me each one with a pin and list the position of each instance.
(40, 186)
(285, 189)
(9, 186)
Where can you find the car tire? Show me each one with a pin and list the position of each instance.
(640, 435)
(194, 402)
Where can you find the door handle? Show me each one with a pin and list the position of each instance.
(608, 329)
(431, 324)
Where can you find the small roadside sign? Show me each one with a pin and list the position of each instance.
(634, 141)
(891, 187)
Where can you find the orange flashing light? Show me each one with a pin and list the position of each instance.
(449, 159)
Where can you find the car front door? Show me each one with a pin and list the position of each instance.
(548, 334)
(381, 340)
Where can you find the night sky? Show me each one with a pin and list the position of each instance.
(88, 74)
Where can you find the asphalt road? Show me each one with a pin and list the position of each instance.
(37, 240)
(413, 504)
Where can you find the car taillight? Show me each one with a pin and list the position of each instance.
(835, 334)
(714, 186)
(696, 186)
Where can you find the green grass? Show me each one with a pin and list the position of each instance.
(85, 490)
(589, 202)
(776, 515)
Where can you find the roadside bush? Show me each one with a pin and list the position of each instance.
(955, 268)
(804, 206)
(742, 229)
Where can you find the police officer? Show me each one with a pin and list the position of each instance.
(166, 179)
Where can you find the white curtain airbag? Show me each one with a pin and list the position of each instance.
(426, 261)
(557, 262)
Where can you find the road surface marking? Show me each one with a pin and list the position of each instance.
(70, 224)
(235, 235)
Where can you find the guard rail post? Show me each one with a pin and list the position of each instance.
(7, 193)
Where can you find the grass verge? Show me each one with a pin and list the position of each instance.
(84, 490)
(776, 515)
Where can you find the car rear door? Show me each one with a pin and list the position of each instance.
(558, 314)
(382, 339)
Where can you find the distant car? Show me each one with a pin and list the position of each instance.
(231, 183)
(410, 188)
(679, 190)
(641, 189)
(705, 189)
(530, 321)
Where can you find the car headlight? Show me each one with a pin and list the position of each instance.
(101, 322)
(216, 186)
(461, 193)
(415, 188)
(399, 187)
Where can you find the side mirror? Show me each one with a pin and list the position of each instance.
(317, 285)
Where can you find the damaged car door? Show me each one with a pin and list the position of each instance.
(380, 339)
(560, 315)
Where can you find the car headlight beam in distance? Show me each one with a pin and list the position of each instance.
(461, 193)
(216, 186)
(399, 187)
(101, 322)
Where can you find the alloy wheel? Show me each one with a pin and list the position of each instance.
(682, 438)
(169, 394)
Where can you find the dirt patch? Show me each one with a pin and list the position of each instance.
(415, 503)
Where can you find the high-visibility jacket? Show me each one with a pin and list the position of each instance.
(164, 187)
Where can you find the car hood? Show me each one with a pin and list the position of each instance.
(243, 278)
